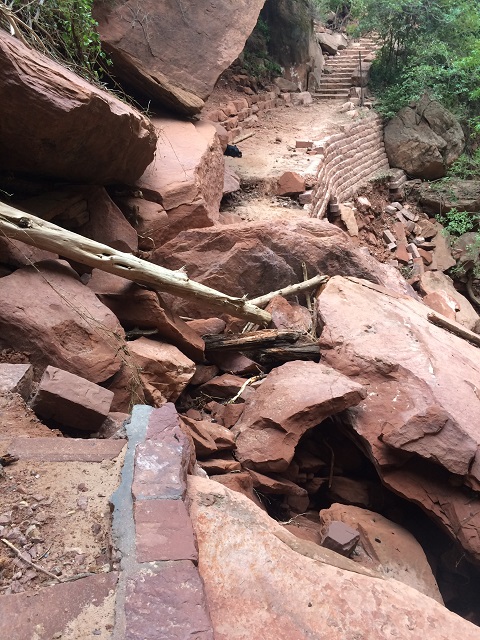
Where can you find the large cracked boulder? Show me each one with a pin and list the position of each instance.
(424, 139)
(284, 408)
(256, 258)
(185, 181)
(420, 423)
(174, 52)
(55, 124)
(261, 581)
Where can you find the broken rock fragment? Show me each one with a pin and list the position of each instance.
(71, 401)
(291, 400)
(163, 370)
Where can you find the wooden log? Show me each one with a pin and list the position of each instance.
(45, 235)
(252, 340)
(267, 346)
(288, 353)
(454, 328)
(291, 290)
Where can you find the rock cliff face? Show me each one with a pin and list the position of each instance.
(174, 52)
(292, 43)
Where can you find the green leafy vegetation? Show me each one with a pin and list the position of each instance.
(256, 59)
(456, 222)
(63, 29)
(428, 45)
(467, 167)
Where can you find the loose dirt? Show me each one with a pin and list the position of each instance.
(57, 515)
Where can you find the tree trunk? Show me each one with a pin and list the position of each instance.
(45, 235)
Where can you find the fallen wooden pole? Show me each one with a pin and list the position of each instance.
(461, 332)
(45, 235)
(291, 290)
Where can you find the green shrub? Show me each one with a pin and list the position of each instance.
(63, 29)
(456, 222)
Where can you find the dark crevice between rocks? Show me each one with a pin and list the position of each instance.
(345, 475)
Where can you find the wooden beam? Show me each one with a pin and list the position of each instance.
(253, 340)
(45, 235)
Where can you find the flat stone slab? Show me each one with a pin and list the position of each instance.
(164, 531)
(168, 603)
(66, 449)
(162, 461)
(84, 608)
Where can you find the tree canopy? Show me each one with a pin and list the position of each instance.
(427, 45)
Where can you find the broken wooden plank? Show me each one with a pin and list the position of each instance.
(252, 340)
(310, 352)
(267, 346)
(45, 235)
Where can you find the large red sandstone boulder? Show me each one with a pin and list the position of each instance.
(138, 308)
(294, 589)
(424, 139)
(88, 211)
(420, 422)
(47, 312)
(185, 178)
(182, 187)
(256, 258)
(55, 124)
(174, 53)
(291, 400)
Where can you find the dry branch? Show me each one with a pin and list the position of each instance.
(291, 290)
(45, 235)
(454, 328)
(29, 562)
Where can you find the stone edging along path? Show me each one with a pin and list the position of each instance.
(153, 588)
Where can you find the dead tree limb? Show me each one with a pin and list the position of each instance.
(252, 340)
(45, 235)
(454, 328)
(291, 290)
(267, 346)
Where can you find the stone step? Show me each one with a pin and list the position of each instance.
(336, 85)
(334, 90)
(328, 96)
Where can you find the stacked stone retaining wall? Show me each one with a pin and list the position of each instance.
(244, 113)
(347, 160)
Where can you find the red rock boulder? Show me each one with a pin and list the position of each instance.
(292, 399)
(47, 312)
(174, 53)
(256, 258)
(71, 401)
(55, 124)
(420, 420)
(186, 178)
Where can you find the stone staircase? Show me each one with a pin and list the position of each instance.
(339, 69)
